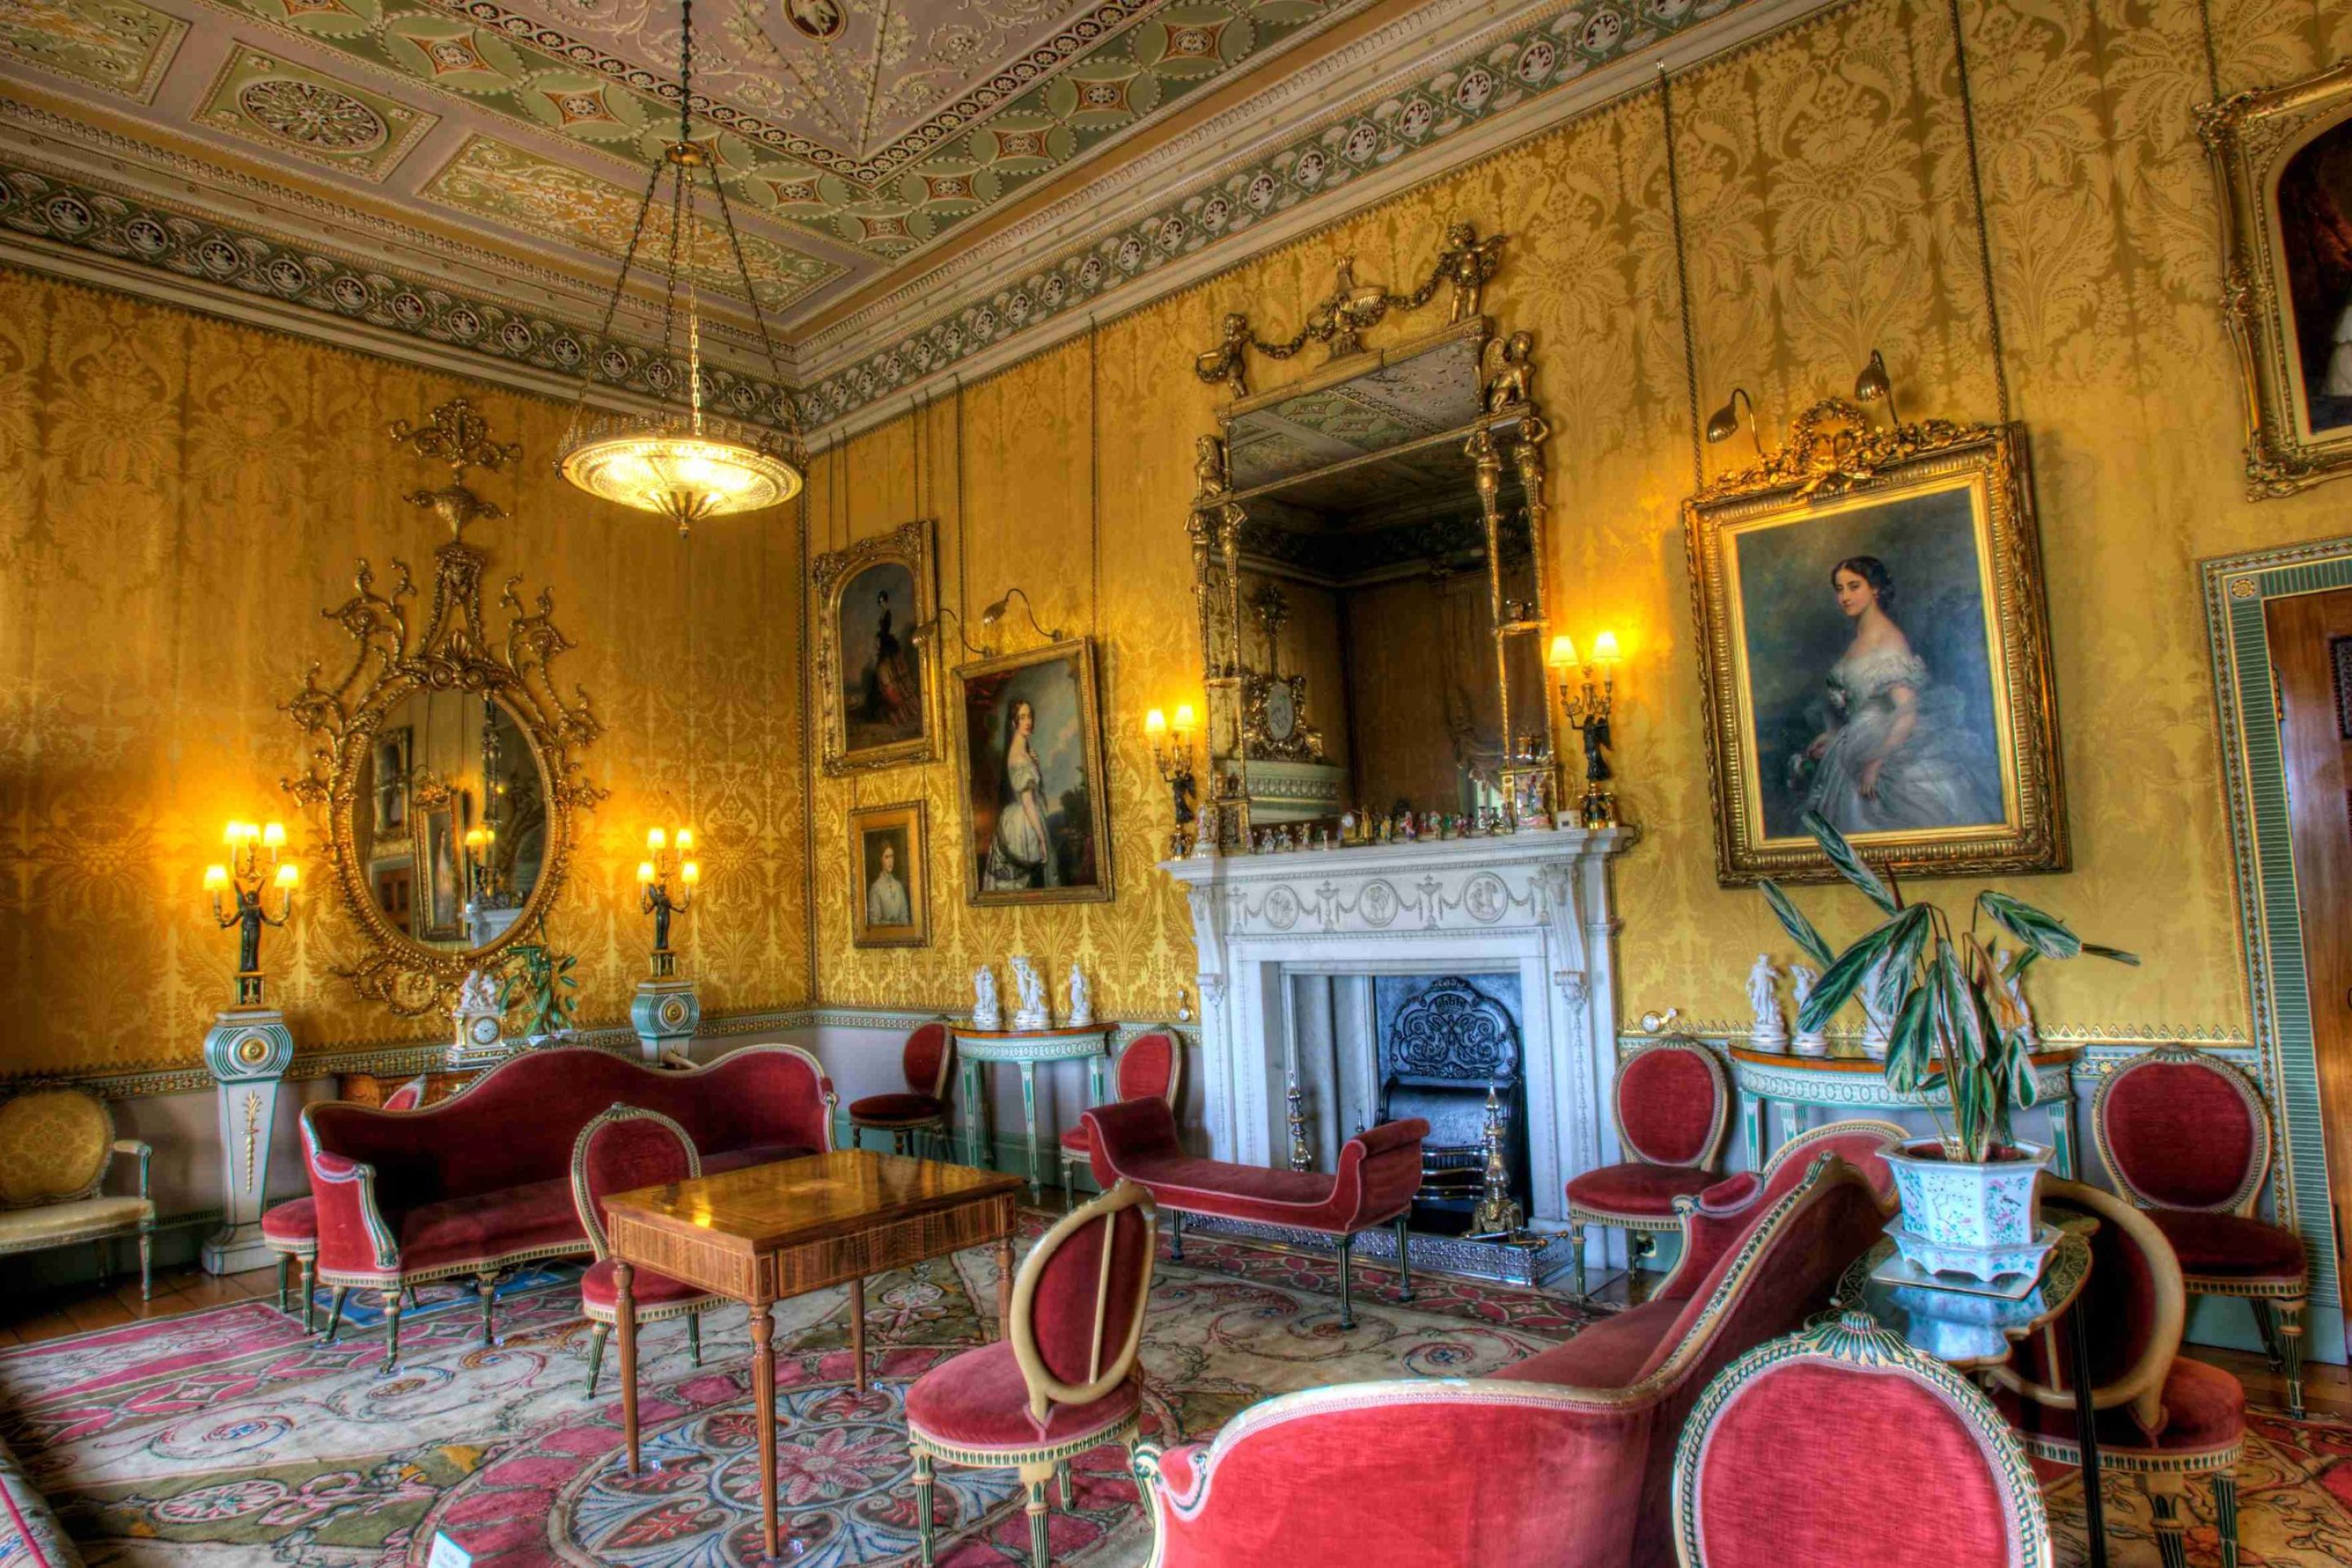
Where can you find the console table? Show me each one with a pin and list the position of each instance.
(1024, 1048)
(1857, 1084)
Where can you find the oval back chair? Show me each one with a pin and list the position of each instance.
(621, 1149)
(57, 1147)
(1673, 1105)
(1152, 1067)
(925, 1061)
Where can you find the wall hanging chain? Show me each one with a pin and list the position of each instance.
(1984, 218)
(1682, 279)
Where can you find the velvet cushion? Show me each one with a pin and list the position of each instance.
(1078, 1140)
(532, 1217)
(1793, 1475)
(1637, 1189)
(648, 1289)
(886, 1108)
(925, 1060)
(1148, 1067)
(292, 1225)
(1379, 1168)
(979, 1400)
(2204, 1406)
(2180, 1133)
(1668, 1098)
(2229, 1245)
(1607, 1354)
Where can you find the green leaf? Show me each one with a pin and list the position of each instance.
(2115, 953)
(1799, 927)
(2027, 1093)
(1850, 864)
(1842, 977)
(2045, 934)
(1914, 928)
(1910, 1057)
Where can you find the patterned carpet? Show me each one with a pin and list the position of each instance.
(228, 1437)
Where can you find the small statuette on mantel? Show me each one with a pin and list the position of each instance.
(987, 1013)
(1810, 1042)
(1029, 988)
(1770, 1031)
(1082, 999)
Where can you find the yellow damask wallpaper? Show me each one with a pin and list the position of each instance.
(178, 497)
(1827, 211)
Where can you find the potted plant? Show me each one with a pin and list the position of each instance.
(542, 981)
(1958, 1024)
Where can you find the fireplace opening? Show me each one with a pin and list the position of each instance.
(1442, 1043)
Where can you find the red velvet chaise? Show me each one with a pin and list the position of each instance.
(483, 1182)
(1379, 1171)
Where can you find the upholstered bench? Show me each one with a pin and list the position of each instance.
(482, 1182)
(1378, 1174)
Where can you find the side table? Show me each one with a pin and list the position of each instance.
(1857, 1085)
(1026, 1047)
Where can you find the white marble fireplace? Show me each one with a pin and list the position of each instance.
(1535, 904)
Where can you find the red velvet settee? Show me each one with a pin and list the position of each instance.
(1573, 1449)
(483, 1181)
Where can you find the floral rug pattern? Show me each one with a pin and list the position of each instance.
(228, 1438)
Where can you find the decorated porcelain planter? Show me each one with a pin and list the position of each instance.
(1971, 1219)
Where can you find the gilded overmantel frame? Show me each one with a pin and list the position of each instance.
(391, 662)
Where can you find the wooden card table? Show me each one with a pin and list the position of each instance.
(1857, 1085)
(767, 1232)
(1027, 1047)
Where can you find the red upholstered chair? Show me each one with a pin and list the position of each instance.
(1063, 1380)
(1783, 1462)
(1379, 1171)
(2162, 1418)
(291, 1229)
(619, 1151)
(926, 1059)
(1673, 1106)
(1152, 1067)
(2188, 1138)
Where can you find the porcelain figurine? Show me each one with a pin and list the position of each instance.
(986, 1012)
(1810, 1042)
(1770, 1031)
(1082, 999)
(1030, 987)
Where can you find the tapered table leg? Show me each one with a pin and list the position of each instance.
(625, 1328)
(2086, 1434)
(1004, 1287)
(763, 1402)
(857, 1330)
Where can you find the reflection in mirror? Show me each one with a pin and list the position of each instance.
(449, 819)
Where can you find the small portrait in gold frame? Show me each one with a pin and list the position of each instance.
(873, 685)
(889, 875)
(2283, 158)
(1874, 649)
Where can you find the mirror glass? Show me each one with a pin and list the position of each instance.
(449, 819)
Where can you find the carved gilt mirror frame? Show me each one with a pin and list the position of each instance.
(392, 661)
(1507, 428)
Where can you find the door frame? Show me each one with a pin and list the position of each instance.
(2270, 919)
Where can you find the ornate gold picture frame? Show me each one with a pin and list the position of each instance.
(873, 685)
(1029, 763)
(889, 875)
(2282, 159)
(1874, 645)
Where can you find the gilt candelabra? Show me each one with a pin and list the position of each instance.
(665, 884)
(1586, 711)
(252, 870)
(1171, 751)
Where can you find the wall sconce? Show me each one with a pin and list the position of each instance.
(479, 842)
(665, 884)
(244, 879)
(995, 612)
(922, 634)
(1588, 712)
(1172, 750)
(1872, 386)
(1724, 423)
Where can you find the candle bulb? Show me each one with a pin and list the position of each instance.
(684, 840)
(1155, 723)
(645, 873)
(288, 875)
(654, 839)
(273, 837)
(215, 878)
(691, 873)
(1563, 653)
(1184, 718)
(1604, 647)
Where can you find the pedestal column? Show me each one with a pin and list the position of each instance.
(665, 1012)
(247, 1051)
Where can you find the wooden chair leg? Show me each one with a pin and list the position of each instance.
(2290, 1333)
(1175, 1236)
(1347, 1283)
(310, 1293)
(694, 1338)
(1041, 1547)
(1576, 1254)
(285, 1268)
(2164, 1502)
(1068, 1485)
(390, 1334)
(924, 1528)
(147, 1274)
(597, 1334)
(2266, 1324)
(2225, 1515)
(335, 1311)
(485, 1286)
(1404, 1257)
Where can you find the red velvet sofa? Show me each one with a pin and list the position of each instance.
(1574, 1449)
(483, 1181)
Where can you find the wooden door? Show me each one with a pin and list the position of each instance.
(2311, 660)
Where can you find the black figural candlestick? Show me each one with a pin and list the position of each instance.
(1171, 751)
(665, 883)
(253, 868)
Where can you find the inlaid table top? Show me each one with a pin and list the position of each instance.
(763, 1208)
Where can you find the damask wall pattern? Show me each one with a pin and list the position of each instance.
(1827, 210)
(178, 499)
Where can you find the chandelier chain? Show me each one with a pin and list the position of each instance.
(613, 305)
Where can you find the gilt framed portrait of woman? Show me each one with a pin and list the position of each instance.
(1029, 754)
(2283, 158)
(889, 876)
(873, 685)
(1875, 649)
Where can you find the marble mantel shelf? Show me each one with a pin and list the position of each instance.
(1536, 903)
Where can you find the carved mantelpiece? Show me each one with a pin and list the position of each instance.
(1537, 903)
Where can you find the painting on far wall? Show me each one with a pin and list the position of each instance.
(441, 900)
(890, 879)
(2283, 157)
(1874, 652)
(1029, 753)
(872, 679)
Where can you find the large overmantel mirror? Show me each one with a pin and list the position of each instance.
(446, 764)
(1367, 553)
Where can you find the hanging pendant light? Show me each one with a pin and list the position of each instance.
(683, 463)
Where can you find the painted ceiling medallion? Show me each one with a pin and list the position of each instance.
(314, 115)
(822, 20)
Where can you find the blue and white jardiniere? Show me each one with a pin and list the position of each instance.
(1963, 1209)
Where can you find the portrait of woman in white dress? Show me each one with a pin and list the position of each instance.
(1033, 777)
(1892, 756)
(1021, 855)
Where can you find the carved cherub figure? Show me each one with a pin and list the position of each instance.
(1467, 262)
(1510, 372)
(1209, 468)
(1227, 361)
